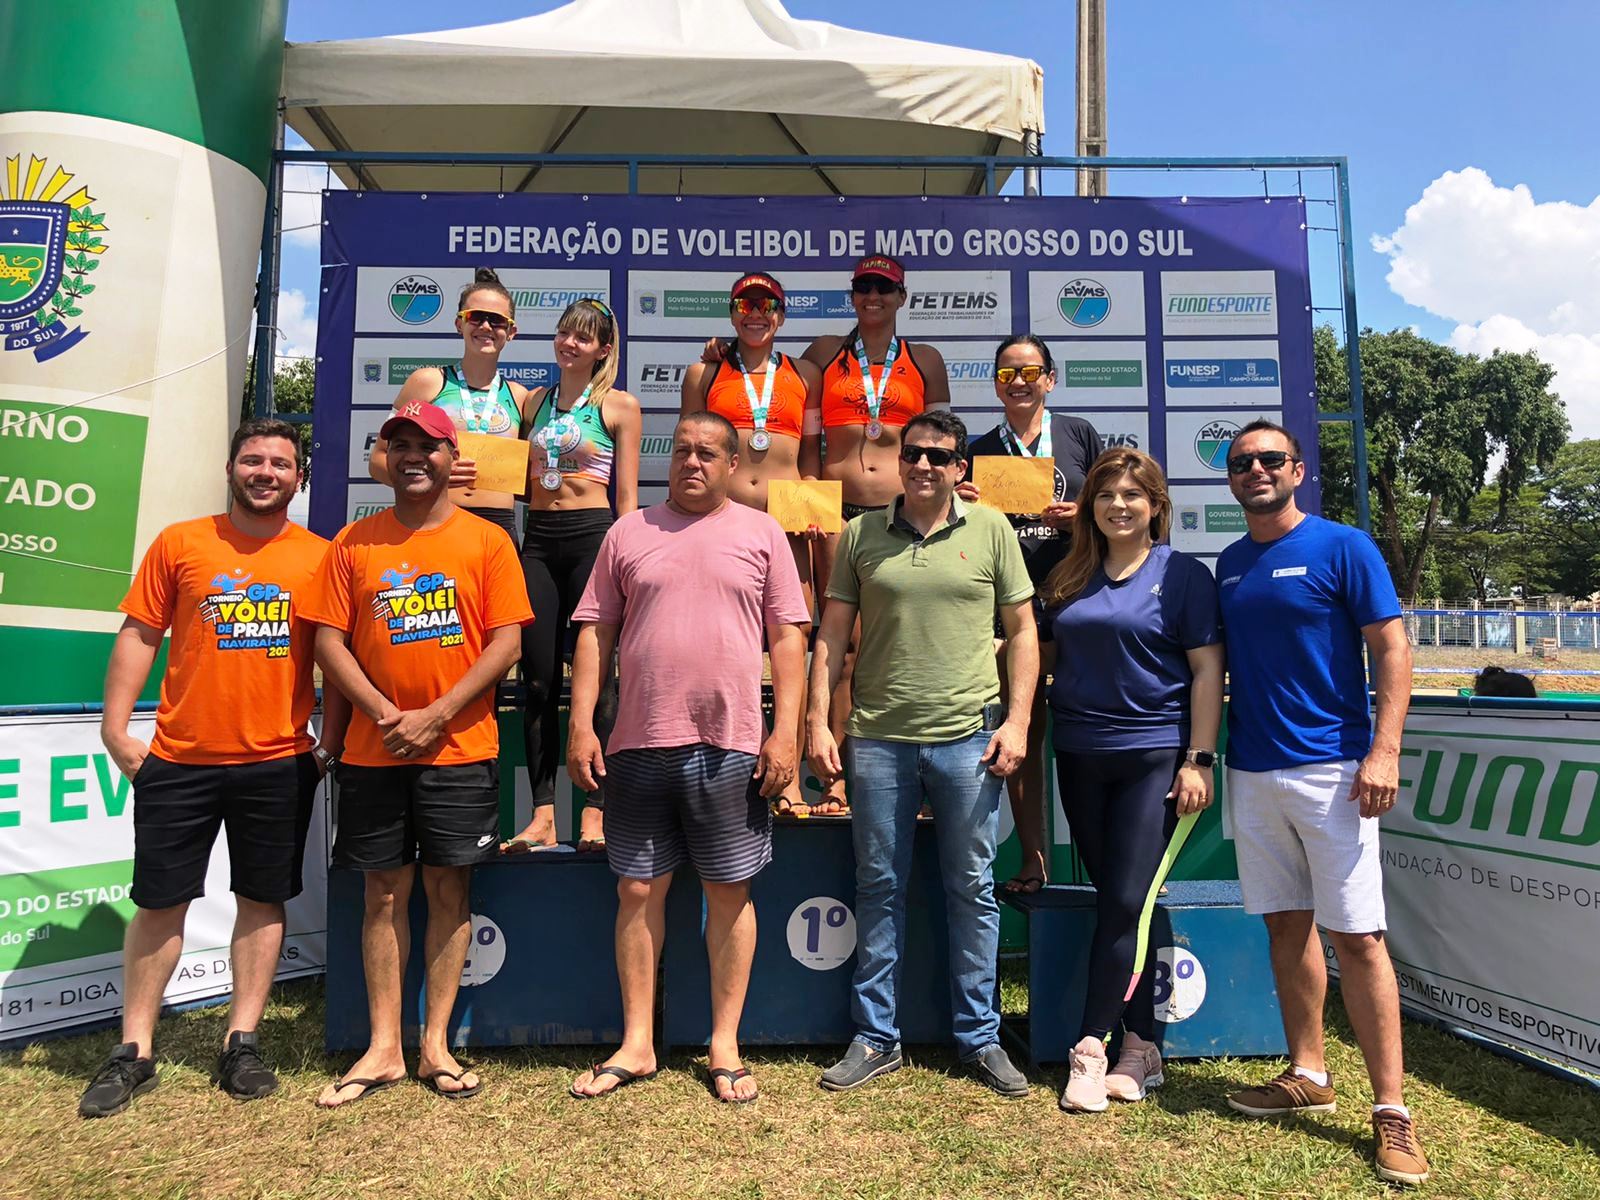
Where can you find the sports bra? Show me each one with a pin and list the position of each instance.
(727, 397)
(593, 456)
(844, 399)
(491, 410)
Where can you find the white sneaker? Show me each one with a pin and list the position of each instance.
(1138, 1070)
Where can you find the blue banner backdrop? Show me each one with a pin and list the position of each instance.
(1173, 321)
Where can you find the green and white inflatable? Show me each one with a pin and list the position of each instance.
(135, 145)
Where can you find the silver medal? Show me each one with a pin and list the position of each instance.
(760, 440)
(874, 430)
(551, 480)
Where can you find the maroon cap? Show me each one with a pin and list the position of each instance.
(881, 265)
(758, 279)
(429, 418)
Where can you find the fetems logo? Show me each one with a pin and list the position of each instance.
(416, 299)
(1084, 303)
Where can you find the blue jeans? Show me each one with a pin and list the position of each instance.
(889, 781)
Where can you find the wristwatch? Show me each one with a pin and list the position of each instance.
(324, 760)
(1200, 758)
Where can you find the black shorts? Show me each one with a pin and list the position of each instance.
(852, 511)
(178, 808)
(390, 817)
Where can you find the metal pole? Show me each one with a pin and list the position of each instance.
(271, 273)
(1092, 93)
(1031, 148)
(1352, 348)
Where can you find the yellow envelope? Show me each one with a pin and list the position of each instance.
(502, 461)
(1013, 484)
(797, 504)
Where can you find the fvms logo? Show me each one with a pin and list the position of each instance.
(1211, 444)
(50, 243)
(416, 300)
(1084, 303)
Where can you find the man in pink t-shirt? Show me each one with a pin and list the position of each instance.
(683, 591)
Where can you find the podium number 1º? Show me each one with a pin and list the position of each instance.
(485, 937)
(814, 918)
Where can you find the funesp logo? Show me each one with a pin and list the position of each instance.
(415, 299)
(1188, 369)
(1083, 302)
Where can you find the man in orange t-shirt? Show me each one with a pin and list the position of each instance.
(231, 748)
(419, 611)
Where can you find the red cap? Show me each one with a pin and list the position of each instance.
(758, 279)
(429, 418)
(881, 265)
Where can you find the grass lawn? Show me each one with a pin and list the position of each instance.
(1492, 1128)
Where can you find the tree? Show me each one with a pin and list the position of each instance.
(1496, 546)
(294, 388)
(1572, 535)
(1522, 415)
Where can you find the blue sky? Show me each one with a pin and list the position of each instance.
(1447, 110)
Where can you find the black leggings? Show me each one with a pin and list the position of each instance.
(558, 552)
(1121, 820)
(505, 518)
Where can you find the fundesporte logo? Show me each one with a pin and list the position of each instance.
(415, 299)
(1083, 302)
(1211, 444)
(50, 244)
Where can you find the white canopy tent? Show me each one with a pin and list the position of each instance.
(662, 77)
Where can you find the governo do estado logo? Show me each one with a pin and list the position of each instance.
(50, 244)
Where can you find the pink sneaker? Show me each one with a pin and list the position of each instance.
(1138, 1070)
(1086, 1085)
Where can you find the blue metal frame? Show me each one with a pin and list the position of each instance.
(990, 165)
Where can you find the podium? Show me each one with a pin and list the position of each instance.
(1214, 989)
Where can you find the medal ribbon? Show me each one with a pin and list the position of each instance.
(1046, 445)
(758, 412)
(875, 391)
(558, 429)
(466, 393)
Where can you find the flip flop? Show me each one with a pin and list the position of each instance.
(622, 1075)
(367, 1086)
(786, 808)
(431, 1082)
(522, 845)
(1024, 885)
(732, 1077)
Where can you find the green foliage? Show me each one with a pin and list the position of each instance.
(293, 391)
(1435, 420)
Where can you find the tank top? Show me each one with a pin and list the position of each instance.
(592, 458)
(844, 397)
(491, 410)
(727, 396)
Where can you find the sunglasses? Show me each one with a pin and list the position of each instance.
(1270, 460)
(742, 306)
(599, 306)
(874, 284)
(482, 316)
(936, 456)
(1028, 374)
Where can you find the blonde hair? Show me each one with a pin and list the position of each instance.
(1072, 574)
(594, 318)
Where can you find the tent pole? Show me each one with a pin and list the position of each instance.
(271, 275)
(1031, 176)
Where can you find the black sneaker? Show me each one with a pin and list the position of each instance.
(124, 1076)
(240, 1071)
(860, 1064)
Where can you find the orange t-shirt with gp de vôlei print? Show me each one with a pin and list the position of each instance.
(238, 685)
(418, 606)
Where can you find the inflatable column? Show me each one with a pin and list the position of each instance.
(135, 145)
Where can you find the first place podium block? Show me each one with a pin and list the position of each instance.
(1214, 990)
(540, 972)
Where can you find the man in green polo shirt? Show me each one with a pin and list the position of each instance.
(926, 576)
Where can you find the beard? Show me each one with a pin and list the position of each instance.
(259, 508)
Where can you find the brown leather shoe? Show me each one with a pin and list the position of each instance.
(1290, 1094)
(1399, 1158)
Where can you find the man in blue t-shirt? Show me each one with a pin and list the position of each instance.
(1308, 777)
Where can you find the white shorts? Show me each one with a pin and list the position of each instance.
(1303, 845)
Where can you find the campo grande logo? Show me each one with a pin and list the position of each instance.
(49, 244)
(1084, 303)
(416, 299)
(1211, 444)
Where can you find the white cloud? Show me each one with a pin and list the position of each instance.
(302, 201)
(1514, 273)
(297, 327)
